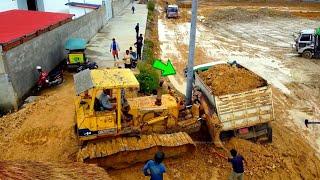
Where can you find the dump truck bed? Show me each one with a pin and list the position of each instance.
(239, 110)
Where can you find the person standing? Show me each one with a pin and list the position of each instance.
(133, 8)
(237, 165)
(139, 45)
(127, 60)
(114, 48)
(155, 168)
(137, 31)
(133, 58)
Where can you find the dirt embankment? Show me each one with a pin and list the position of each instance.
(40, 170)
(244, 15)
(225, 79)
(43, 130)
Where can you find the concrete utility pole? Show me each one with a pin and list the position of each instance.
(192, 43)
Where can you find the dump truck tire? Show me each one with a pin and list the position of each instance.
(269, 134)
(307, 54)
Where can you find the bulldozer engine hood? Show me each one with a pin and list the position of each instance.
(148, 103)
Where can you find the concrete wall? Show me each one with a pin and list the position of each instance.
(47, 50)
(7, 94)
(78, 12)
(119, 5)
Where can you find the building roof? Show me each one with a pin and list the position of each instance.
(19, 25)
(104, 79)
(83, 5)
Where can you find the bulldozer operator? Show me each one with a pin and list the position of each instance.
(104, 99)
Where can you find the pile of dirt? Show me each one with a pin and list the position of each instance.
(42, 130)
(41, 170)
(243, 15)
(225, 79)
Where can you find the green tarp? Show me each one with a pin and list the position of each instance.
(318, 31)
(75, 44)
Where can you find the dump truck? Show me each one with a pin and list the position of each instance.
(245, 114)
(307, 43)
(137, 127)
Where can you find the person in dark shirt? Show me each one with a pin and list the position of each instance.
(137, 31)
(155, 168)
(139, 45)
(237, 165)
(133, 8)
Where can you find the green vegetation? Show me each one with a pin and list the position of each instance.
(148, 76)
(151, 5)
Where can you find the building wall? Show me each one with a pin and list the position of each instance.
(7, 93)
(8, 5)
(55, 6)
(78, 12)
(47, 50)
(22, 4)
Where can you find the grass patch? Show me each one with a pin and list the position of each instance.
(151, 5)
(148, 76)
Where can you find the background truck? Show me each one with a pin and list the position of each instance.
(307, 43)
(246, 115)
(172, 11)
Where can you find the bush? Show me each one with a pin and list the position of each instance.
(151, 5)
(148, 78)
(148, 51)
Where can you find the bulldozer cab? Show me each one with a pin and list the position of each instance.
(100, 101)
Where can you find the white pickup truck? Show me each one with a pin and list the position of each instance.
(245, 115)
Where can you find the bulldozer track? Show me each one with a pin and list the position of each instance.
(124, 151)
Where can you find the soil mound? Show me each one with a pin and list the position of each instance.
(225, 79)
(241, 14)
(40, 170)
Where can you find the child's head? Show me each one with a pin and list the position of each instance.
(158, 157)
(233, 152)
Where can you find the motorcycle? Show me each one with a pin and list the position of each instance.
(87, 65)
(54, 78)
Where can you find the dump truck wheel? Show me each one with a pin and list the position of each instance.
(269, 134)
(307, 54)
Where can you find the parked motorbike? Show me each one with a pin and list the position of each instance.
(87, 65)
(54, 78)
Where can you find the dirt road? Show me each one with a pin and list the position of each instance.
(43, 130)
(262, 45)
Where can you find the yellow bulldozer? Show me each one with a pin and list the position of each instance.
(135, 127)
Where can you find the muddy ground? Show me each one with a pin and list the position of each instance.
(43, 130)
(263, 45)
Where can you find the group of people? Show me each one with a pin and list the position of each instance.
(130, 57)
(155, 168)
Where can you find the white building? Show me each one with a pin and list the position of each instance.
(38, 5)
(54, 6)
